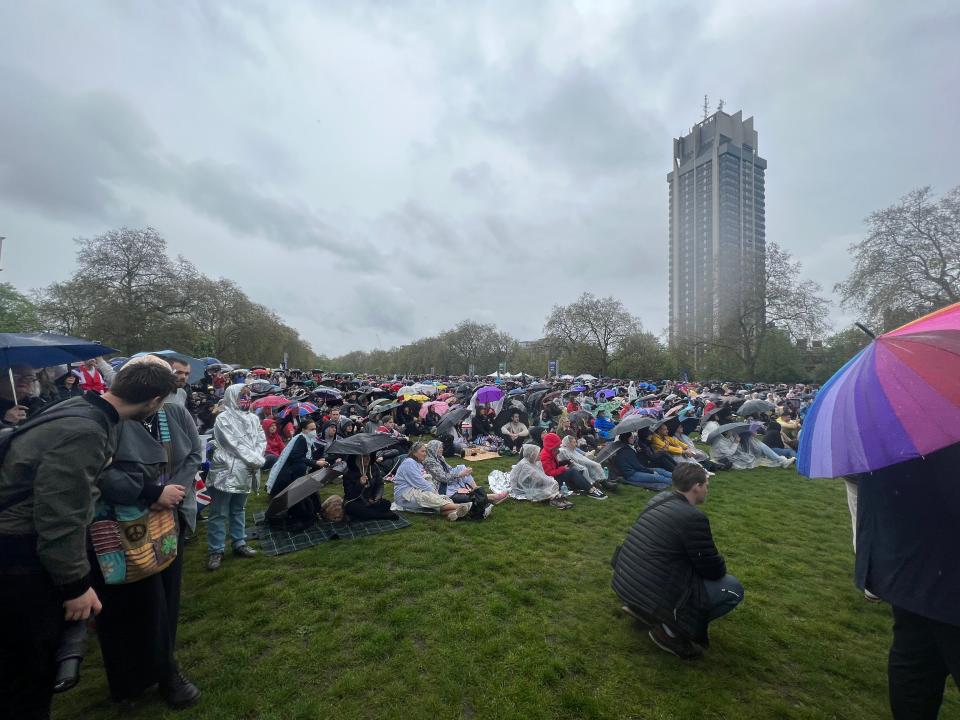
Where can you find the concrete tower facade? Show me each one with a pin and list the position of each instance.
(717, 229)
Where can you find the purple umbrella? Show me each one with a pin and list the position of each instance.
(489, 394)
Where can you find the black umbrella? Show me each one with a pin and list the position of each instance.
(609, 450)
(755, 407)
(738, 427)
(73, 646)
(710, 413)
(580, 416)
(301, 488)
(361, 444)
(453, 416)
(632, 423)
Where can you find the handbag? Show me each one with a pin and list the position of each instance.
(132, 543)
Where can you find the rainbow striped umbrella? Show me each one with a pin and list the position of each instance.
(897, 399)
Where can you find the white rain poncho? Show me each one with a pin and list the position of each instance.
(240, 444)
(527, 479)
(568, 451)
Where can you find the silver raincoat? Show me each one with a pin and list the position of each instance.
(240, 444)
(527, 479)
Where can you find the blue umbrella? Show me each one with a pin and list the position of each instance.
(40, 350)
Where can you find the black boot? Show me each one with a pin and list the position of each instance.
(178, 692)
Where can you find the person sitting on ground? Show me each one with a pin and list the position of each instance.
(327, 436)
(363, 490)
(457, 483)
(409, 421)
(773, 438)
(668, 571)
(481, 424)
(275, 444)
(563, 472)
(678, 431)
(297, 460)
(789, 428)
(634, 472)
(662, 441)
(650, 457)
(413, 489)
(389, 427)
(570, 452)
(514, 433)
(373, 424)
(529, 482)
(603, 425)
(723, 416)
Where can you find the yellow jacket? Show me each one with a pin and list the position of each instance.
(670, 444)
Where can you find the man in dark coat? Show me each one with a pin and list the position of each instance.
(908, 531)
(47, 492)
(668, 570)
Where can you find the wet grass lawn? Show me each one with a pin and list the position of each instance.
(514, 618)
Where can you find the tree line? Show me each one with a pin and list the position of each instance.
(129, 294)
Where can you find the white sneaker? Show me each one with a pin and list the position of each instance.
(453, 515)
(464, 510)
(787, 462)
(487, 511)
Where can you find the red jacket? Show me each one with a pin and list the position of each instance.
(548, 456)
(275, 442)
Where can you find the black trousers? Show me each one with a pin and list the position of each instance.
(137, 628)
(31, 619)
(924, 652)
(359, 510)
(574, 479)
(511, 443)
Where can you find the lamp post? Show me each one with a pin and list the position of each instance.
(2, 238)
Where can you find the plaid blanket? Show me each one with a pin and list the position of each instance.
(279, 542)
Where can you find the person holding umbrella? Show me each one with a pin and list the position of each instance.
(297, 460)
(363, 490)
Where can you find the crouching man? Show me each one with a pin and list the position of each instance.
(668, 571)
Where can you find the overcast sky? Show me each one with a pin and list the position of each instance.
(376, 172)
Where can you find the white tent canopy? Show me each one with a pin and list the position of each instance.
(585, 376)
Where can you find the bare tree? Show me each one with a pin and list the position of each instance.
(784, 302)
(909, 262)
(596, 325)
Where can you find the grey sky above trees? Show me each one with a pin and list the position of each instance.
(336, 160)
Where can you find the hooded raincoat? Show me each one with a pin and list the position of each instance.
(240, 444)
(527, 479)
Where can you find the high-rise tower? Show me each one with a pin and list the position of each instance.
(717, 233)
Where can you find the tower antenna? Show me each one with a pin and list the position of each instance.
(706, 107)
(720, 105)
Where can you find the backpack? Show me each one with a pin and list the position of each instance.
(53, 412)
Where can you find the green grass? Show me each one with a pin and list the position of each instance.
(515, 618)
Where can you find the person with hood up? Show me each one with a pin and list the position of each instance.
(455, 482)
(572, 454)
(275, 443)
(562, 472)
(237, 457)
(529, 482)
(363, 490)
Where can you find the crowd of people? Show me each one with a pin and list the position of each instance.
(146, 433)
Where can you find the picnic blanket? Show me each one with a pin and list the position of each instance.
(274, 541)
(478, 455)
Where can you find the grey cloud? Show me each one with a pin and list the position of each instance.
(583, 124)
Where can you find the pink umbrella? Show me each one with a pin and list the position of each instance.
(445, 396)
(270, 401)
(439, 407)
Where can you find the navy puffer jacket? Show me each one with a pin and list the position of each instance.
(660, 568)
